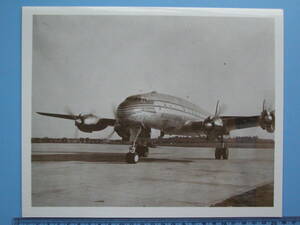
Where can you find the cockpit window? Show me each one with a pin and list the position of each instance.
(138, 99)
(144, 100)
(133, 98)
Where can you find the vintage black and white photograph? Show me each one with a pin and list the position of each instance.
(152, 112)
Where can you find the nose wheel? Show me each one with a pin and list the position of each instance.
(132, 158)
(135, 153)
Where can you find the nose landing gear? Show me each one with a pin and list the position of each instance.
(135, 153)
(139, 146)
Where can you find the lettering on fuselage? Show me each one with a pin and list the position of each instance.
(171, 108)
(158, 111)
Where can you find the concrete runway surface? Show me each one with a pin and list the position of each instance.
(97, 175)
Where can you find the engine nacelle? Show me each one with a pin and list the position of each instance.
(123, 132)
(214, 127)
(89, 123)
(267, 121)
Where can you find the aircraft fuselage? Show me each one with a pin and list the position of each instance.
(159, 111)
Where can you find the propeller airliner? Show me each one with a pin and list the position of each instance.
(138, 114)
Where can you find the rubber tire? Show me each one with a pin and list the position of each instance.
(146, 152)
(218, 153)
(132, 158)
(143, 151)
(225, 153)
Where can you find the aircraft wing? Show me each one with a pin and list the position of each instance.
(240, 122)
(84, 122)
(62, 116)
(215, 126)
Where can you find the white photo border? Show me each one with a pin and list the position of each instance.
(150, 212)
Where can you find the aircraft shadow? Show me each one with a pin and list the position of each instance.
(118, 158)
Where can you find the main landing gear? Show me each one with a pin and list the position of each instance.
(222, 152)
(139, 146)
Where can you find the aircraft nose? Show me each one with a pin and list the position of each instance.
(126, 110)
(121, 110)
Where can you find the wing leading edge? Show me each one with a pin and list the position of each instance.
(217, 126)
(62, 116)
(84, 122)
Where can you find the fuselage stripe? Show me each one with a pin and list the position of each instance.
(189, 108)
(151, 108)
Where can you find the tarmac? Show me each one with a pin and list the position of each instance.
(83, 175)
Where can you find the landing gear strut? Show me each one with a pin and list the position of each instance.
(139, 147)
(222, 151)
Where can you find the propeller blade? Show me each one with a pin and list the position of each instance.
(267, 107)
(264, 105)
(110, 135)
(114, 110)
(76, 133)
(217, 109)
(68, 110)
(222, 109)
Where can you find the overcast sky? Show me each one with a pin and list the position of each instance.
(92, 63)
